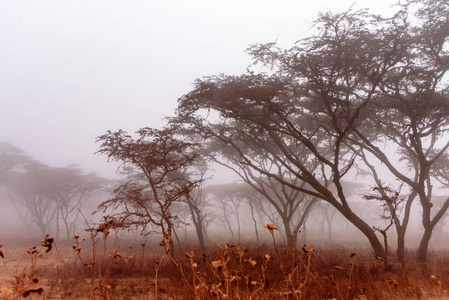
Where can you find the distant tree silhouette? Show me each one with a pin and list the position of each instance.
(47, 196)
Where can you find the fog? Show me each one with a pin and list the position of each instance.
(71, 70)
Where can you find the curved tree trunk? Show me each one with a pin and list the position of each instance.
(424, 245)
(369, 233)
(198, 223)
(200, 234)
(429, 225)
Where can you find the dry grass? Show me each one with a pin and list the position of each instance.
(91, 270)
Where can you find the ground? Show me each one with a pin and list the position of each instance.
(227, 271)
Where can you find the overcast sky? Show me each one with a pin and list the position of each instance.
(71, 70)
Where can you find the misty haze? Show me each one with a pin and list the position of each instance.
(224, 150)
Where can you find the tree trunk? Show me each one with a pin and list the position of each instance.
(401, 229)
(66, 225)
(322, 230)
(227, 221)
(329, 228)
(429, 225)
(291, 241)
(400, 252)
(198, 223)
(178, 241)
(57, 224)
(304, 233)
(254, 220)
(238, 226)
(43, 227)
(378, 249)
(200, 233)
(303, 220)
(424, 245)
(171, 244)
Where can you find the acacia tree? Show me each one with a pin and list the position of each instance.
(291, 205)
(412, 112)
(326, 216)
(196, 202)
(11, 157)
(306, 107)
(157, 167)
(230, 201)
(254, 200)
(251, 198)
(70, 189)
(317, 96)
(28, 191)
(46, 196)
(395, 210)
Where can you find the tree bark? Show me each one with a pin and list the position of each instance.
(429, 225)
(254, 220)
(369, 233)
(400, 252)
(424, 245)
(198, 223)
(178, 241)
(291, 241)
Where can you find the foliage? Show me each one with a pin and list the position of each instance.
(314, 113)
(43, 195)
(157, 165)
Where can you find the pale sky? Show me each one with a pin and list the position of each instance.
(71, 70)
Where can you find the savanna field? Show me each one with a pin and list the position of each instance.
(100, 266)
(320, 172)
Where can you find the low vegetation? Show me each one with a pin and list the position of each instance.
(98, 268)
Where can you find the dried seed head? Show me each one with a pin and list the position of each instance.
(393, 282)
(270, 227)
(216, 264)
(252, 262)
(47, 243)
(339, 268)
(190, 255)
(32, 289)
(116, 254)
(32, 250)
(307, 249)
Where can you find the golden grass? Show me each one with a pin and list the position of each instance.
(225, 272)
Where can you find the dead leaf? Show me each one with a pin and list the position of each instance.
(32, 289)
(216, 264)
(6, 291)
(270, 227)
